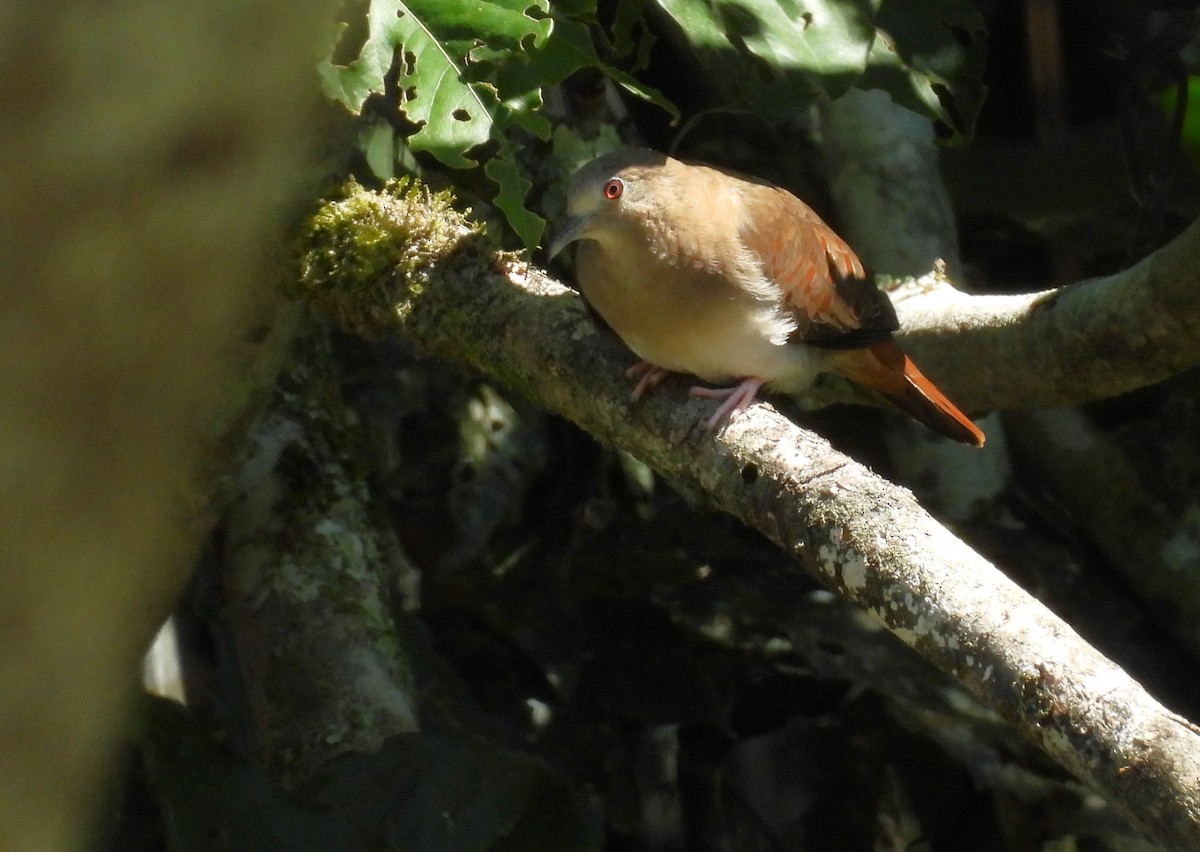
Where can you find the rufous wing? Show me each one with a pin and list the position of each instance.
(819, 276)
(838, 308)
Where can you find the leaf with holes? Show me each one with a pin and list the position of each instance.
(433, 39)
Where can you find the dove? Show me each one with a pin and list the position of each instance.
(737, 282)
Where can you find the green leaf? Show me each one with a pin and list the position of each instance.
(455, 115)
(930, 57)
(433, 40)
(514, 188)
(828, 39)
(775, 56)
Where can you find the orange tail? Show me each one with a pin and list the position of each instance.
(885, 368)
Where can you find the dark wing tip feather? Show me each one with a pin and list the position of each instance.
(871, 306)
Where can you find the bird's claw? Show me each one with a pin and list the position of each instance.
(736, 399)
(648, 376)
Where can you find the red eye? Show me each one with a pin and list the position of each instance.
(613, 189)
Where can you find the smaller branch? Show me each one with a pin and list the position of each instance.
(1083, 342)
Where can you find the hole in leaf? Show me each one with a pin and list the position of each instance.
(469, 57)
(461, 114)
(808, 19)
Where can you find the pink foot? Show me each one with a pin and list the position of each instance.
(736, 398)
(648, 375)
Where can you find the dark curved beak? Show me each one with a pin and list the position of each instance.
(572, 229)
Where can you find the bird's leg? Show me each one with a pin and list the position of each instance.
(736, 398)
(648, 375)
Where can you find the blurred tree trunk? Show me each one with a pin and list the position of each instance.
(145, 151)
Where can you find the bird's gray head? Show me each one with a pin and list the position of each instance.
(605, 193)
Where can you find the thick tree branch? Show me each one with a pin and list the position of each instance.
(862, 536)
(882, 168)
